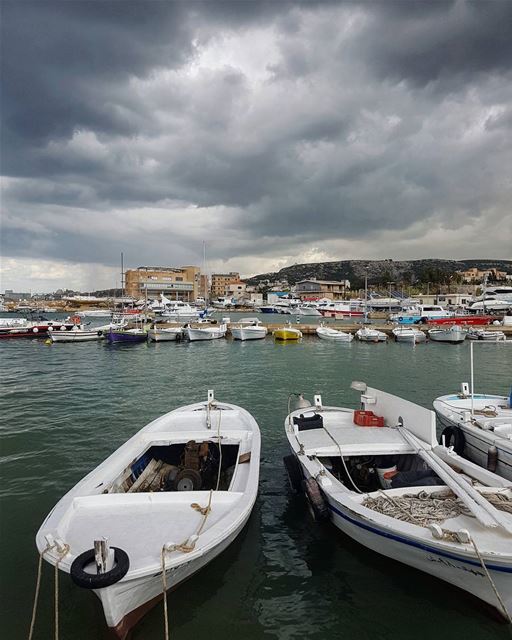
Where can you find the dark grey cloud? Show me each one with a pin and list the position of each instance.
(275, 130)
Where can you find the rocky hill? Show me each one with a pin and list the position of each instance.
(380, 272)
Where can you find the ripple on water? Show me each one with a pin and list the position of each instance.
(64, 408)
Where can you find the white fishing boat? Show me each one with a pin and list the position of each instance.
(366, 334)
(478, 426)
(486, 335)
(248, 329)
(165, 334)
(76, 334)
(454, 334)
(328, 333)
(412, 335)
(394, 490)
(212, 332)
(169, 501)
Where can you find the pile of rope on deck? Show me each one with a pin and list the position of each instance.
(425, 508)
(421, 508)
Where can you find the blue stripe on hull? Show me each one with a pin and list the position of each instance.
(417, 545)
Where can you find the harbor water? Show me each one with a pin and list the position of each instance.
(65, 407)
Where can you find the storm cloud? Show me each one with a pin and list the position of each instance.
(277, 132)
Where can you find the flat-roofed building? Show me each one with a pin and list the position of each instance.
(315, 289)
(220, 282)
(176, 283)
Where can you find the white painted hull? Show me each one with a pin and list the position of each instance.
(76, 336)
(248, 333)
(124, 597)
(412, 337)
(333, 335)
(453, 336)
(371, 335)
(477, 440)
(143, 522)
(210, 333)
(164, 335)
(462, 570)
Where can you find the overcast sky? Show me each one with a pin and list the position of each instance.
(277, 132)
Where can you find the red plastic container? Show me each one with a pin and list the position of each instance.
(368, 419)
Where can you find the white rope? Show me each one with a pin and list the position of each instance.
(495, 589)
(61, 554)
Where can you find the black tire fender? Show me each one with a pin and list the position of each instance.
(100, 333)
(294, 473)
(99, 580)
(453, 434)
(315, 499)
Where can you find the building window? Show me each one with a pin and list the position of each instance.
(179, 279)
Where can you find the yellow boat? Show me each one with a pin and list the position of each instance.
(287, 333)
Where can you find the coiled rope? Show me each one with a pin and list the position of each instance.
(62, 552)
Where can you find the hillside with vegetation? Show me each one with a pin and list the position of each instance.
(382, 272)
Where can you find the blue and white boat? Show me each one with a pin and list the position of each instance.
(421, 314)
(394, 490)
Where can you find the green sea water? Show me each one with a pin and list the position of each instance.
(65, 407)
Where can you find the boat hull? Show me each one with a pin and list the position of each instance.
(159, 335)
(287, 334)
(463, 572)
(451, 337)
(478, 441)
(125, 603)
(464, 320)
(76, 336)
(123, 336)
(205, 334)
(246, 333)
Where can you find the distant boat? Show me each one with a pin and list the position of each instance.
(327, 333)
(248, 329)
(287, 333)
(488, 336)
(94, 313)
(365, 334)
(213, 332)
(454, 334)
(127, 335)
(268, 308)
(409, 334)
(76, 334)
(421, 314)
(165, 334)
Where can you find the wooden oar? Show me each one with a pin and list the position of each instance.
(485, 513)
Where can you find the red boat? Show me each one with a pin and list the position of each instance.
(38, 328)
(464, 320)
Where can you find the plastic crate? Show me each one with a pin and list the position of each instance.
(368, 419)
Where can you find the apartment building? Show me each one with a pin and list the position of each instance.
(475, 275)
(315, 289)
(176, 283)
(220, 281)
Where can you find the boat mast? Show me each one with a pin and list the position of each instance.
(366, 295)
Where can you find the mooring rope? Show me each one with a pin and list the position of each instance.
(494, 587)
(61, 554)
